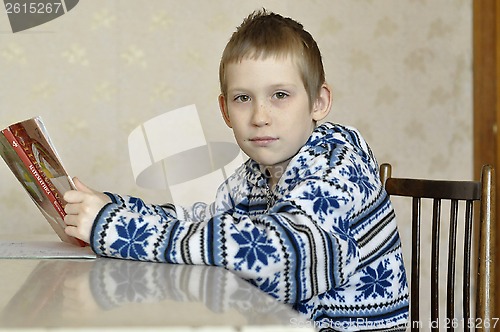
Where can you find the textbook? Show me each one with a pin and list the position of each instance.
(29, 153)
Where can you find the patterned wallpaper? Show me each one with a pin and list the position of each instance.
(400, 69)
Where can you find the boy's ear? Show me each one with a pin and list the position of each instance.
(323, 103)
(224, 111)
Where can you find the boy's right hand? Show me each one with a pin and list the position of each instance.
(81, 209)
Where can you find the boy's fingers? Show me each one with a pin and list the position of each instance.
(70, 220)
(76, 232)
(70, 230)
(73, 196)
(68, 209)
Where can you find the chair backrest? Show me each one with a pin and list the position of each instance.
(480, 282)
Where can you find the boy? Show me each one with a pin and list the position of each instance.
(305, 219)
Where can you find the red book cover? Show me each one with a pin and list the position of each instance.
(29, 153)
(35, 170)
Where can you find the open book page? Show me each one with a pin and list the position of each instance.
(55, 171)
(43, 249)
(33, 137)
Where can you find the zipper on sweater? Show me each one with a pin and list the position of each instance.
(271, 199)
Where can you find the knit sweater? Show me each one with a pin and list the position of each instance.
(324, 240)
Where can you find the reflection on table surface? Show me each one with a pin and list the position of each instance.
(114, 293)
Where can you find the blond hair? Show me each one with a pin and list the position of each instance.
(263, 34)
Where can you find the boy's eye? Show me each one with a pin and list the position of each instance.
(281, 95)
(242, 98)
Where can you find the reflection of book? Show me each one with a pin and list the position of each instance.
(38, 297)
(31, 156)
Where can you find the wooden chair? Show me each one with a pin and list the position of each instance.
(478, 283)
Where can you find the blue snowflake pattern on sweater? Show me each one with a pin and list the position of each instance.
(376, 282)
(323, 202)
(132, 240)
(253, 246)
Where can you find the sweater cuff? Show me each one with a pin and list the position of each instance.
(116, 199)
(96, 247)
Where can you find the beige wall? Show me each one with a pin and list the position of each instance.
(400, 69)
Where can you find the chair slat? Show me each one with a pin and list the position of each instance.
(436, 221)
(415, 265)
(452, 249)
(467, 260)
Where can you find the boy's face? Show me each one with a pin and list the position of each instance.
(267, 107)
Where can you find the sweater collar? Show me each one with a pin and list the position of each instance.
(311, 158)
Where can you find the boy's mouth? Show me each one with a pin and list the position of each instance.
(263, 140)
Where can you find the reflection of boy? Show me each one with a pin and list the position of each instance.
(305, 218)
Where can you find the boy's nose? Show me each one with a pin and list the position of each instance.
(261, 116)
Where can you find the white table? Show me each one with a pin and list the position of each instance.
(117, 295)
